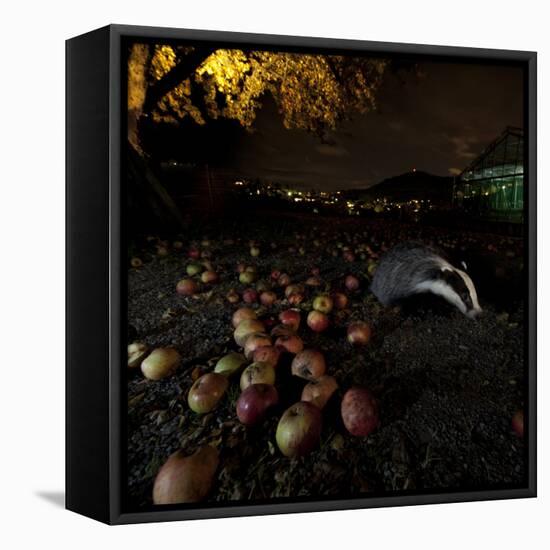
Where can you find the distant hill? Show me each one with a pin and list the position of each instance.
(412, 185)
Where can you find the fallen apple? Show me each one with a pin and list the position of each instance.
(206, 392)
(194, 253)
(290, 318)
(293, 289)
(136, 354)
(281, 330)
(313, 281)
(254, 401)
(267, 354)
(209, 277)
(320, 391)
(351, 282)
(246, 328)
(359, 333)
(247, 277)
(232, 296)
(160, 363)
(359, 411)
(299, 429)
(136, 262)
(250, 296)
(241, 314)
(317, 321)
(295, 299)
(268, 298)
(517, 423)
(257, 373)
(290, 343)
(255, 341)
(340, 300)
(184, 479)
(230, 363)
(194, 269)
(309, 364)
(254, 251)
(283, 280)
(323, 303)
(187, 287)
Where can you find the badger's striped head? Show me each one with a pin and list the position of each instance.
(455, 286)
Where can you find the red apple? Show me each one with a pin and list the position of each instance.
(340, 300)
(275, 274)
(183, 479)
(281, 330)
(517, 423)
(194, 253)
(351, 282)
(283, 280)
(250, 296)
(319, 391)
(254, 341)
(290, 343)
(359, 411)
(299, 429)
(206, 392)
(348, 256)
(309, 364)
(241, 314)
(209, 277)
(290, 318)
(254, 401)
(257, 373)
(359, 333)
(245, 328)
(293, 289)
(295, 299)
(323, 303)
(317, 321)
(315, 271)
(267, 354)
(187, 287)
(313, 281)
(268, 298)
(240, 267)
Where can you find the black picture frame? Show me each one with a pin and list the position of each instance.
(95, 287)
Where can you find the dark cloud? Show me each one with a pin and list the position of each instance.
(436, 122)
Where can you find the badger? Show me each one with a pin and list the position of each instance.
(412, 268)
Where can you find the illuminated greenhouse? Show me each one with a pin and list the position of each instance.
(491, 187)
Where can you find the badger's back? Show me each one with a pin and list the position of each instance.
(402, 269)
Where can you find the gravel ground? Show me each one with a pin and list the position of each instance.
(447, 386)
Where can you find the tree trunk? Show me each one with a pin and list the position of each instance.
(150, 205)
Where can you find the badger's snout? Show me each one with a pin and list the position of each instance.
(474, 313)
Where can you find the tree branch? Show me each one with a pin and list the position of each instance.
(175, 76)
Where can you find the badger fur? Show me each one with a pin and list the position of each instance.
(413, 268)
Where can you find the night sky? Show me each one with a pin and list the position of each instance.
(436, 122)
